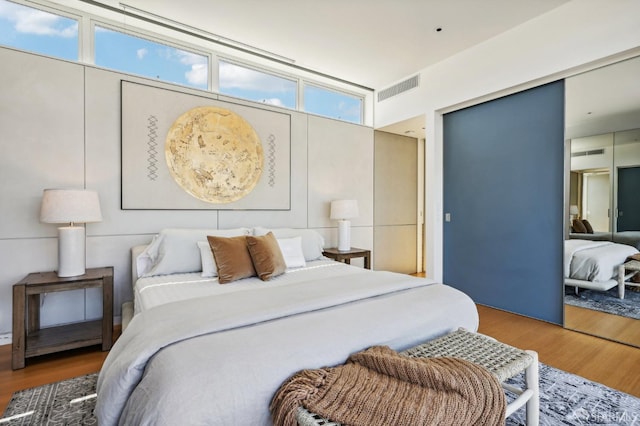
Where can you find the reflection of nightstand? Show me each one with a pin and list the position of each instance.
(346, 256)
(30, 340)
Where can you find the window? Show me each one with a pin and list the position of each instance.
(38, 31)
(135, 55)
(254, 85)
(333, 104)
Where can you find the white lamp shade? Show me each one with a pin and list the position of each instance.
(573, 209)
(70, 206)
(344, 209)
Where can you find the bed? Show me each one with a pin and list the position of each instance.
(631, 238)
(596, 265)
(198, 352)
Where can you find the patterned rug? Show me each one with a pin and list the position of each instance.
(605, 301)
(565, 399)
(69, 402)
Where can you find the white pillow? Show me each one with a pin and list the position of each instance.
(312, 241)
(291, 249)
(209, 267)
(144, 262)
(176, 251)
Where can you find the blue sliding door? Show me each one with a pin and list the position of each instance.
(503, 202)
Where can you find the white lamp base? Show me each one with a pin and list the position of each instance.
(71, 251)
(344, 235)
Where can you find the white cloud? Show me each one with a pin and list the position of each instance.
(235, 77)
(141, 53)
(32, 21)
(188, 58)
(197, 75)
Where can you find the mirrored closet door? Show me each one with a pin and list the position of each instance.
(602, 126)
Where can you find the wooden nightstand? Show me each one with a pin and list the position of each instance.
(30, 340)
(346, 256)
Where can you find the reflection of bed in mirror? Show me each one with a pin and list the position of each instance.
(596, 236)
(631, 238)
(595, 265)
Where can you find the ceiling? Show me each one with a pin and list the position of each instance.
(603, 100)
(373, 43)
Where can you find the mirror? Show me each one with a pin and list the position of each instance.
(602, 126)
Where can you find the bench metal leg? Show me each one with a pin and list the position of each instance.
(532, 382)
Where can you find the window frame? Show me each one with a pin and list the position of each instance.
(174, 36)
(329, 88)
(54, 11)
(264, 70)
(150, 37)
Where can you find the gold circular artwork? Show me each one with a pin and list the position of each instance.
(214, 154)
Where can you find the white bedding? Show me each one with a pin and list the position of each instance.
(218, 359)
(594, 260)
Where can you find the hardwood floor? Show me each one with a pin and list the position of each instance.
(615, 327)
(607, 362)
(613, 364)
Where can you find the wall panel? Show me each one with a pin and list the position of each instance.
(396, 202)
(340, 166)
(61, 128)
(41, 117)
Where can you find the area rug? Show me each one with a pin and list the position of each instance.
(565, 399)
(605, 301)
(69, 402)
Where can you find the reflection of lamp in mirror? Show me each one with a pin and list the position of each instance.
(342, 210)
(70, 206)
(573, 211)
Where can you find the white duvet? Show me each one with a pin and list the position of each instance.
(219, 359)
(594, 260)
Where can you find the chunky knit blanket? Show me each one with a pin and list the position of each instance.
(378, 386)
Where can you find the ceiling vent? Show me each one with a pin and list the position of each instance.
(586, 153)
(396, 89)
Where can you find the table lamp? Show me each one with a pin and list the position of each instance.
(342, 210)
(70, 206)
(573, 211)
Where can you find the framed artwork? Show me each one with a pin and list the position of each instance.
(190, 152)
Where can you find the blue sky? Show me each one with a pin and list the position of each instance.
(34, 30)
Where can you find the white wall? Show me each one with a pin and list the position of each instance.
(60, 126)
(566, 40)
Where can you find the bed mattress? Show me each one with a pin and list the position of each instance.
(150, 292)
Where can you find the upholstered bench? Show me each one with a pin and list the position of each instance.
(502, 360)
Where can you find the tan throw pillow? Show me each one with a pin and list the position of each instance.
(266, 255)
(578, 227)
(232, 258)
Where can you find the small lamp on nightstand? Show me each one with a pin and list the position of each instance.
(573, 211)
(342, 210)
(70, 206)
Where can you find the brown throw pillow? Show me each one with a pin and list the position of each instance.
(578, 227)
(232, 258)
(266, 255)
(587, 226)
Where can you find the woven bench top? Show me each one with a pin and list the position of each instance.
(502, 360)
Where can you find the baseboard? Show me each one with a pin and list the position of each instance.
(5, 339)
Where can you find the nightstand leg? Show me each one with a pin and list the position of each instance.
(33, 313)
(19, 335)
(107, 312)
